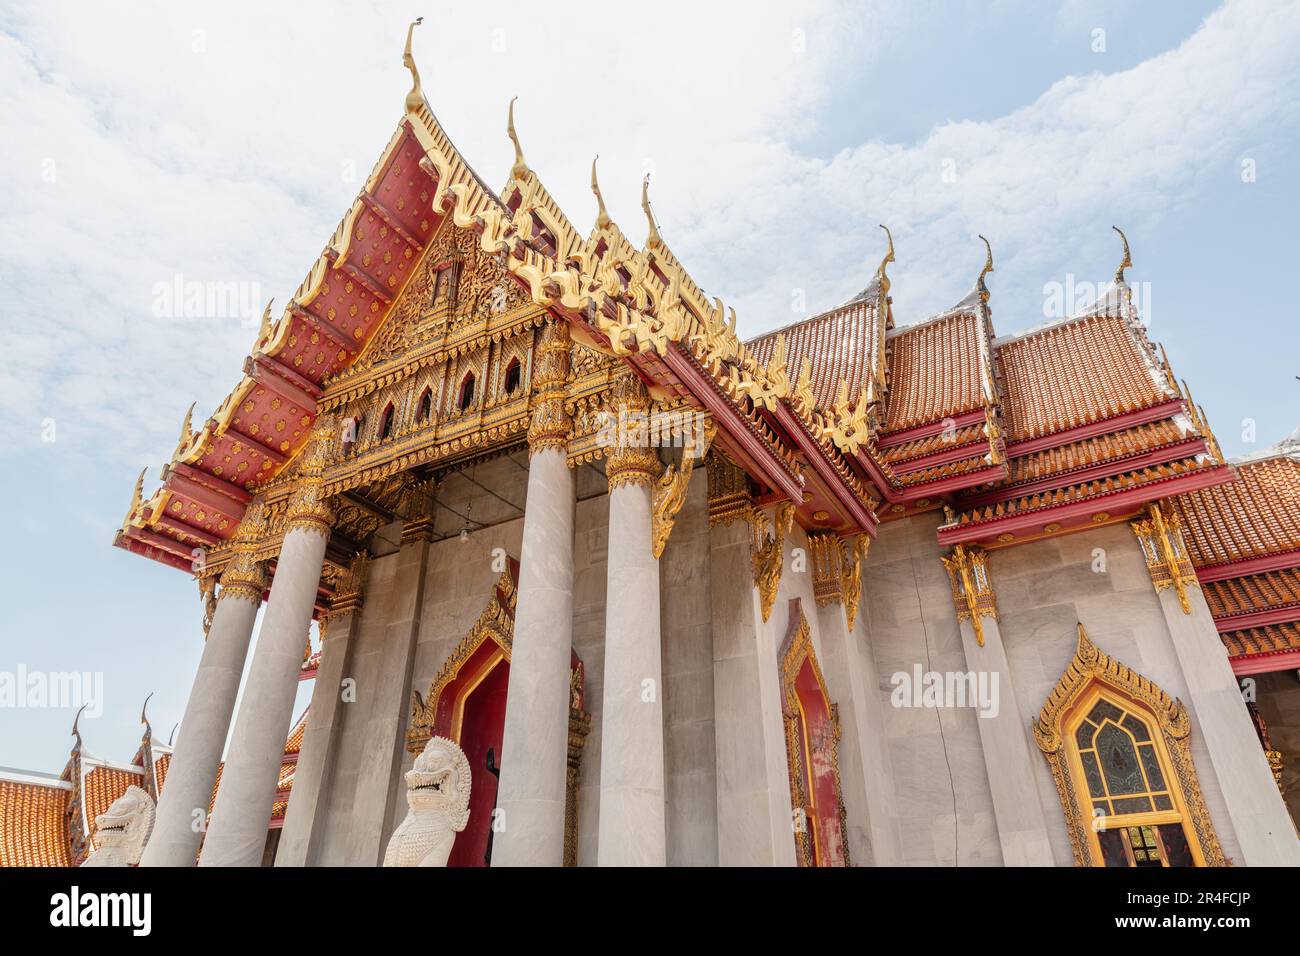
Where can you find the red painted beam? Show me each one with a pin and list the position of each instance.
(352, 272)
(272, 375)
(1283, 614)
(220, 485)
(1141, 416)
(963, 420)
(1244, 566)
(1187, 448)
(1267, 662)
(969, 479)
(1113, 502)
(390, 220)
(324, 326)
(178, 527)
(944, 457)
(205, 496)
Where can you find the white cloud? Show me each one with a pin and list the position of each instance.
(212, 142)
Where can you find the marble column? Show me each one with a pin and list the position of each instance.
(304, 818)
(183, 805)
(1009, 754)
(535, 745)
(632, 829)
(237, 831)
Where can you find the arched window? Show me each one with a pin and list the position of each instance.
(386, 422)
(514, 374)
(466, 398)
(1120, 756)
(424, 407)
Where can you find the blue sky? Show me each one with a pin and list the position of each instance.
(222, 143)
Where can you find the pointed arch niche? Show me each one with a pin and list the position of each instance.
(466, 702)
(812, 737)
(1121, 758)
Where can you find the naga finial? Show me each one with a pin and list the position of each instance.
(264, 329)
(76, 732)
(988, 267)
(144, 714)
(1128, 259)
(187, 433)
(415, 98)
(654, 239)
(889, 257)
(520, 169)
(136, 497)
(602, 217)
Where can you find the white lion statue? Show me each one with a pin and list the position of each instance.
(437, 791)
(122, 830)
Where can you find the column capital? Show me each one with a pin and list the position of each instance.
(244, 576)
(972, 590)
(1161, 538)
(551, 424)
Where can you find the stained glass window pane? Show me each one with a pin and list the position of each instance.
(1112, 847)
(1133, 805)
(1119, 761)
(1175, 843)
(1101, 805)
(1092, 774)
(1104, 710)
(1083, 736)
(1136, 727)
(1152, 766)
(1163, 802)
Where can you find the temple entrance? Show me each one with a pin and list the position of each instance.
(812, 729)
(466, 703)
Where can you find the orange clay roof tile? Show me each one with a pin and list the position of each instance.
(839, 343)
(1256, 515)
(102, 786)
(1259, 640)
(1254, 592)
(935, 371)
(942, 441)
(1072, 374)
(32, 827)
(1091, 451)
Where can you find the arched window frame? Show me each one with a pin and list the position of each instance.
(384, 428)
(465, 393)
(1092, 676)
(424, 404)
(517, 368)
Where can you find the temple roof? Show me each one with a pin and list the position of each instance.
(1255, 516)
(33, 825)
(937, 370)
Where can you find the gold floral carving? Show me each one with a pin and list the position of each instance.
(1161, 538)
(309, 507)
(972, 591)
(550, 424)
(729, 493)
(827, 558)
(350, 589)
(768, 551)
(631, 461)
(797, 649)
(670, 495)
(244, 576)
(1090, 668)
(852, 556)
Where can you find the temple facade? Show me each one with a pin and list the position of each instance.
(852, 593)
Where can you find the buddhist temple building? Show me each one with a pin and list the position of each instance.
(868, 590)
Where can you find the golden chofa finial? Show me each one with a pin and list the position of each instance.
(415, 98)
(520, 169)
(1128, 260)
(988, 267)
(889, 257)
(144, 714)
(602, 217)
(187, 434)
(653, 239)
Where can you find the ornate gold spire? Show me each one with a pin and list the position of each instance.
(136, 497)
(520, 169)
(415, 98)
(602, 217)
(653, 239)
(988, 267)
(1128, 260)
(187, 433)
(144, 715)
(889, 257)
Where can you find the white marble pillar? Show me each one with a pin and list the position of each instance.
(183, 805)
(535, 743)
(1009, 755)
(237, 830)
(632, 831)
